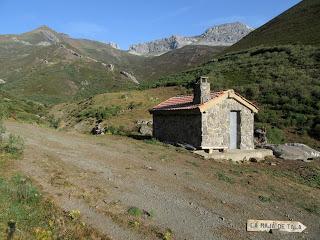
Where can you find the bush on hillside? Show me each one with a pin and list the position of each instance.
(53, 122)
(99, 113)
(13, 145)
(315, 129)
(2, 128)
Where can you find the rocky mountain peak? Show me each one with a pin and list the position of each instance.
(113, 44)
(43, 35)
(43, 28)
(226, 34)
(219, 35)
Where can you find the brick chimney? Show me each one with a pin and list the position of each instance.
(201, 91)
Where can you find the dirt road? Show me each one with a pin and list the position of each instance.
(104, 176)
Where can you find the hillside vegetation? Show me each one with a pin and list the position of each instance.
(298, 25)
(21, 109)
(118, 111)
(283, 80)
(50, 67)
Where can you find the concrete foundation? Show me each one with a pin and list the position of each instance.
(236, 155)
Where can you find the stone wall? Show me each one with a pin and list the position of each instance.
(216, 125)
(177, 128)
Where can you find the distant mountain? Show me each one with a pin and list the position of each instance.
(50, 67)
(220, 35)
(298, 25)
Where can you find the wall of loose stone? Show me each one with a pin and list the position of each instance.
(216, 125)
(177, 128)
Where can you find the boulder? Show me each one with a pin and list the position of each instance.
(130, 76)
(145, 127)
(293, 151)
(260, 137)
(145, 130)
(84, 83)
(2, 81)
(113, 45)
(186, 146)
(110, 67)
(98, 130)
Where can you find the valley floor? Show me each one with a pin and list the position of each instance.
(183, 196)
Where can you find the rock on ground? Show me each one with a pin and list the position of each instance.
(130, 76)
(293, 151)
(145, 127)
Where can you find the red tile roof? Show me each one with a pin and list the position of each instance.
(182, 102)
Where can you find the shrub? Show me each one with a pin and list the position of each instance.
(74, 215)
(153, 141)
(2, 128)
(223, 177)
(133, 105)
(311, 208)
(167, 235)
(134, 211)
(264, 199)
(53, 122)
(3, 111)
(99, 113)
(116, 130)
(23, 190)
(315, 129)
(14, 144)
(275, 135)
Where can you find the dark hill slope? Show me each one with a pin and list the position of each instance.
(178, 60)
(298, 25)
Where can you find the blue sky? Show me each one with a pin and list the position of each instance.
(126, 22)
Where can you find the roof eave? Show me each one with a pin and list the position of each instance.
(175, 111)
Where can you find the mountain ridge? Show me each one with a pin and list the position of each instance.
(50, 67)
(218, 35)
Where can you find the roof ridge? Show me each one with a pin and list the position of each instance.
(185, 102)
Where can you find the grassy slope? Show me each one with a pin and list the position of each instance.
(130, 106)
(52, 74)
(298, 25)
(20, 109)
(59, 79)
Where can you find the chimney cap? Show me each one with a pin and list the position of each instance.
(203, 79)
